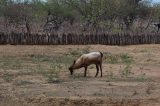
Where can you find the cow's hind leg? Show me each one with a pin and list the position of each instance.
(97, 70)
(101, 68)
(85, 71)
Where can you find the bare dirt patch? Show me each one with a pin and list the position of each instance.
(39, 76)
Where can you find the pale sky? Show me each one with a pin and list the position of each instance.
(156, 1)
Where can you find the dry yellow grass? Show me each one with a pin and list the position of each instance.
(39, 76)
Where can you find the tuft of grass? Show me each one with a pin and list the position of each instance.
(66, 60)
(144, 50)
(98, 94)
(49, 65)
(86, 49)
(112, 59)
(125, 58)
(126, 71)
(10, 63)
(141, 78)
(23, 82)
(150, 87)
(7, 77)
(111, 75)
(41, 58)
(119, 58)
(135, 93)
(53, 78)
(77, 52)
(74, 52)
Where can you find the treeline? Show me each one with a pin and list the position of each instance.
(79, 16)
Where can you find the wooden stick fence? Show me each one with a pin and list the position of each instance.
(80, 39)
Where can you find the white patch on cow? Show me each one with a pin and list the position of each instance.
(92, 55)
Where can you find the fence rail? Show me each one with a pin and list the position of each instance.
(79, 39)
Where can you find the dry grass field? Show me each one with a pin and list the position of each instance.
(39, 76)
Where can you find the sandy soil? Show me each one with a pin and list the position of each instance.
(140, 88)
